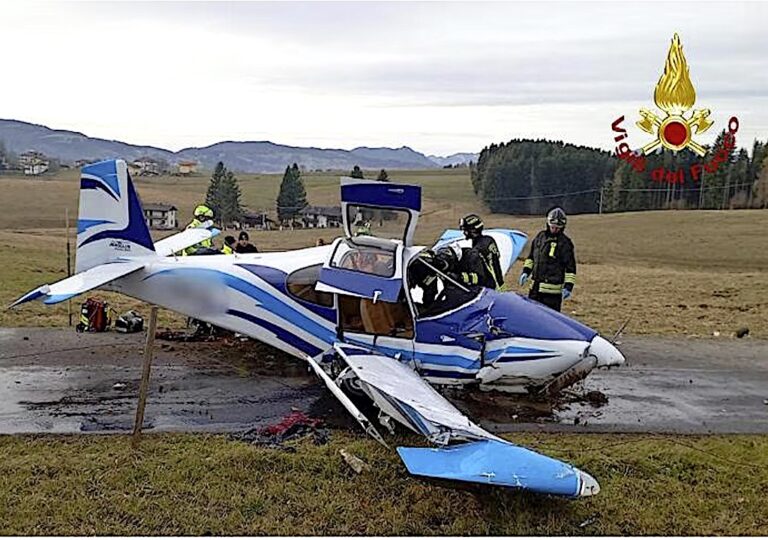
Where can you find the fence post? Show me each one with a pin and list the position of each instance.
(144, 388)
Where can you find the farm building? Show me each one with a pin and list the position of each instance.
(256, 220)
(160, 216)
(34, 163)
(321, 217)
(145, 166)
(185, 168)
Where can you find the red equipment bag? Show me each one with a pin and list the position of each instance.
(94, 316)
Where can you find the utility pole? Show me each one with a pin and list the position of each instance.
(600, 207)
(69, 263)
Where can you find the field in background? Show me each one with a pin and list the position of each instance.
(672, 272)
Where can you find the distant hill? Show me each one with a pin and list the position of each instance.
(462, 158)
(246, 156)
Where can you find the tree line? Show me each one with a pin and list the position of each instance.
(530, 176)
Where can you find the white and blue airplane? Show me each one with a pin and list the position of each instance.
(349, 310)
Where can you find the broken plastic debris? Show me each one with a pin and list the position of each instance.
(118, 386)
(357, 464)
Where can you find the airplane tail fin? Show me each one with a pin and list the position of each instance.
(110, 222)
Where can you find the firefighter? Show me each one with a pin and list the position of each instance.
(489, 271)
(202, 214)
(229, 245)
(551, 263)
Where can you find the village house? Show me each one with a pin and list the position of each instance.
(80, 163)
(145, 166)
(185, 168)
(160, 216)
(34, 163)
(321, 217)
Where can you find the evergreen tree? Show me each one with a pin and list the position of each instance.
(715, 183)
(356, 172)
(223, 196)
(383, 176)
(213, 197)
(292, 197)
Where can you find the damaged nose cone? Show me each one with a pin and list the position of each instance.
(605, 352)
(589, 485)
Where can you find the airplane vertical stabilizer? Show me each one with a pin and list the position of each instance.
(110, 222)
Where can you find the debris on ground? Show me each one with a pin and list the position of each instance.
(742, 332)
(355, 463)
(296, 425)
(589, 521)
(118, 386)
(596, 398)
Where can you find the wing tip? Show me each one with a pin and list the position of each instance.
(34, 294)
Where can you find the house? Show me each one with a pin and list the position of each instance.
(145, 166)
(256, 220)
(321, 217)
(160, 216)
(34, 163)
(185, 168)
(80, 163)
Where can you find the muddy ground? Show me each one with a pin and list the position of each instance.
(54, 380)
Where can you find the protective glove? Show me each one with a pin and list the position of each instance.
(567, 294)
(523, 278)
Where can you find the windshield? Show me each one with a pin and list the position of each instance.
(379, 222)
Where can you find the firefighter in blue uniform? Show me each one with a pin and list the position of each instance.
(551, 263)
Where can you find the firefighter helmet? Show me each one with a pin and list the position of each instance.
(203, 211)
(556, 217)
(471, 223)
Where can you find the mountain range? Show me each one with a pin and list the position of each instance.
(241, 156)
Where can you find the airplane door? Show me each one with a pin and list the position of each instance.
(366, 277)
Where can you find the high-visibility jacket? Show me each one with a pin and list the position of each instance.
(207, 243)
(226, 250)
(551, 263)
(486, 247)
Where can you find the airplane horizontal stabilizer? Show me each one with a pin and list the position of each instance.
(80, 283)
(189, 237)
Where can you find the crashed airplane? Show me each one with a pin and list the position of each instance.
(349, 311)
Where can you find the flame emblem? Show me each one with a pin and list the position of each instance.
(675, 95)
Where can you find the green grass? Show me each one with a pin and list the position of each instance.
(197, 484)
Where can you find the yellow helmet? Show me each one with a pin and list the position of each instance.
(203, 211)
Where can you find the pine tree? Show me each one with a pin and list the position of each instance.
(213, 199)
(292, 197)
(230, 199)
(383, 176)
(356, 172)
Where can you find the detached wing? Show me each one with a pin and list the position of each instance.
(401, 394)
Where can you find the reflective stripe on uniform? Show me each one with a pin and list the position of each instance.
(570, 278)
(528, 264)
(550, 288)
(552, 247)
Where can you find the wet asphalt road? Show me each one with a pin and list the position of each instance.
(57, 381)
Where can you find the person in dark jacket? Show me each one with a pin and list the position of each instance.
(488, 273)
(551, 264)
(243, 245)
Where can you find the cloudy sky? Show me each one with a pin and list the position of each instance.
(438, 77)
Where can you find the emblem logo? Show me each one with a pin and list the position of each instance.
(675, 96)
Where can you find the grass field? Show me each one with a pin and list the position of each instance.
(674, 272)
(200, 485)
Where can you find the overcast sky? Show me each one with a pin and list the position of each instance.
(438, 77)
